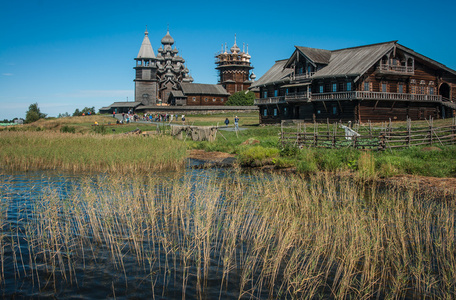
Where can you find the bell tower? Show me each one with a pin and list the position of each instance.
(234, 68)
(146, 74)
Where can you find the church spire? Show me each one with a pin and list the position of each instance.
(146, 50)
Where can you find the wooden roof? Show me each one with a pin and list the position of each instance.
(203, 89)
(354, 61)
(276, 74)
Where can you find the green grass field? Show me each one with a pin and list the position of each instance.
(255, 146)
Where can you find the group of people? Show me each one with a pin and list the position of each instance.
(236, 122)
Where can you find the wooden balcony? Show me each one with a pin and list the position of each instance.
(297, 97)
(361, 95)
(397, 70)
(303, 76)
(353, 95)
(270, 100)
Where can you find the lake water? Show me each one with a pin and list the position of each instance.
(33, 266)
(220, 234)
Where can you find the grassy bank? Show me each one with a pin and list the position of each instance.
(258, 146)
(89, 153)
(275, 237)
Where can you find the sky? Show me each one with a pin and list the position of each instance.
(67, 55)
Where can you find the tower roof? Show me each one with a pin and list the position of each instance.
(167, 39)
(146, 50)
(235, 48)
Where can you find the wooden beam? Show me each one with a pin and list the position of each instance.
(375, 106)
(340, 106)
(324, 104)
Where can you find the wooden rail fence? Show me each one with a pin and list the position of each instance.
(383, 138)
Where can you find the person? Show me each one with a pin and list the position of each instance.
(183, 119)
(227, 121)
(236, 123)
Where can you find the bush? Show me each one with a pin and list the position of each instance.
(101, 129)
(257, 156)
(242, 98)
(68, 129)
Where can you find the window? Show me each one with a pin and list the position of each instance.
(285, 111)
(205, 99)
(422, 89)
(384, 87)
(265, 94)
(334, 87)
(321, 88)
(276, 93)
(275, 112)
(413, 89)
(349, 86)
(366, 86)
(221, 99)
(265, 112)
(194, 99)
(286, 91)
(334, 110)
(213, 99)
(431, 90)
(400, 88)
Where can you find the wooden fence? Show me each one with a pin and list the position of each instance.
(380, 138)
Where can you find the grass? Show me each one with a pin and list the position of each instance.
(259, 146)
(275, 237)
(89, 153)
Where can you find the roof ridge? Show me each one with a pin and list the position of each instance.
(363, 46)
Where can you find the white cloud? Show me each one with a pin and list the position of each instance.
(7, 74)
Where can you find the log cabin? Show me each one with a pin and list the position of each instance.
(377, 82)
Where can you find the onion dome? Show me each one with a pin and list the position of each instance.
(167, 39)
(252, 76)
(235, 49)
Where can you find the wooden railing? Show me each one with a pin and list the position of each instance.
(303, 76)
(302, 96)
(381, 139)
(350, 96)
(271, 100)
(398, 69)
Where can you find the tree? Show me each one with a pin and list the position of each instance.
(34, 114)
(84, 111)
(64, 115)
(242, 98)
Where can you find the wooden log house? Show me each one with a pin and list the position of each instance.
(375, 82)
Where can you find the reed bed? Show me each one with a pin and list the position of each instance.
(26, 151)
(244, 237)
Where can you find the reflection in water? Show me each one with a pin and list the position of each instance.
(220, 234)
(67, 235)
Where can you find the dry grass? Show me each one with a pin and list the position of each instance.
(89, 153)
(272, 237)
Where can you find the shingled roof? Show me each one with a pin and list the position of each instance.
(203, 89)
(354, 61)
(276, 74)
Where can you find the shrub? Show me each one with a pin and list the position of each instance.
(101, 129)
(68, 129)
(257, 156)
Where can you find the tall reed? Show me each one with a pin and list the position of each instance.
(261, 236)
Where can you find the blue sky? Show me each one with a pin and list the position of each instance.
(72, 54)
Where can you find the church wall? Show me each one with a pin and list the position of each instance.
(206, 100)
(146, 87)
